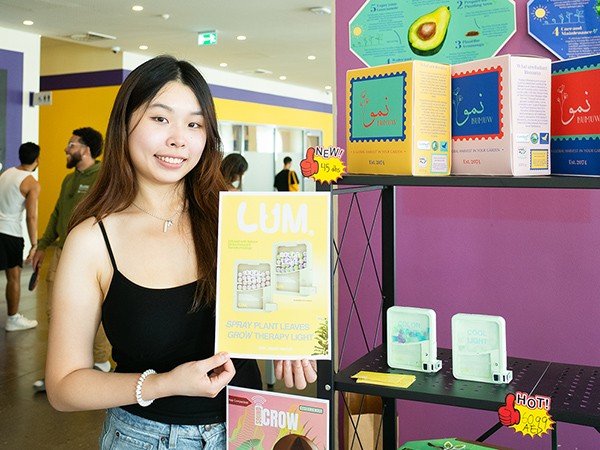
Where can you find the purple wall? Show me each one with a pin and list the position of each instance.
(529, 255)
(12, 62)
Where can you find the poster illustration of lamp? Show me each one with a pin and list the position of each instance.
(273, 278)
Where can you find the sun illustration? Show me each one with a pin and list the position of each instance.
(357, 31)
(540, 12)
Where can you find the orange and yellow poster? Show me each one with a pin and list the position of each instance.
(273, 420)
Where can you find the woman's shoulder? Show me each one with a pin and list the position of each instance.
(85, 228)
(84, 253)
(86, 236)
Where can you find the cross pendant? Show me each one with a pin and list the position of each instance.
(168, 224)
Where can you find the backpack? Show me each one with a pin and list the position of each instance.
(293, 186)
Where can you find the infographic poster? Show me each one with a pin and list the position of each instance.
(452, 32)
(274, 421)
(273, 279)
(568, 28)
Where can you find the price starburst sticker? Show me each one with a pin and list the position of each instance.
(534, 422)
(323, 164)
(526, 414)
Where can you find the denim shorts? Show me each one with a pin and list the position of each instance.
(125, 431)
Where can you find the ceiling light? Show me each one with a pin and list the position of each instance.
(283, 78)
(137, 8)
(143, 47)
(28, 22)
(311, 57)
(320, 10)
(327, 88)
(241, 38)
(223, 64)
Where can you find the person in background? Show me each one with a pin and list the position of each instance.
(233, 167)
(84, 146)
(19, 192)
(140, 257)
(286, 179)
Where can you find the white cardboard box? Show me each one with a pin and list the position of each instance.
(501, 116)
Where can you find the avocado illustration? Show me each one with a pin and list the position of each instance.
(426, 35)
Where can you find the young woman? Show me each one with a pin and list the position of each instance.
(141, 258)
(233, 168)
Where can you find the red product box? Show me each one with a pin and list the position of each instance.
(575, 116)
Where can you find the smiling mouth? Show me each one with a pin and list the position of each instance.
(170, 159)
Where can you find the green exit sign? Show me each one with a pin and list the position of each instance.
(207, 38)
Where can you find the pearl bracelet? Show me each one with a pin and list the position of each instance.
(138, 388)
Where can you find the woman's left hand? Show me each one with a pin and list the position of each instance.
(296, 373)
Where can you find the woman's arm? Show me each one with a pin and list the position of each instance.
(83, 275)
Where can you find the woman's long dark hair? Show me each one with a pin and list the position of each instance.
(117, 185)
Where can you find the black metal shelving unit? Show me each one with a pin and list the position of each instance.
(545, 182)
(582, 408)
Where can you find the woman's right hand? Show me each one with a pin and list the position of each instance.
(204, 378)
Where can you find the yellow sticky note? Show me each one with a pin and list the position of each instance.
(404, 384)
(384, 379)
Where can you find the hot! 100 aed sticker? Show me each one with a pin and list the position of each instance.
(527, 414)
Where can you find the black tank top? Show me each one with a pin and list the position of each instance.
(154, 329)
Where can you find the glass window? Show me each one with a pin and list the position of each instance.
(264, 147)
(231, 136)
(259, 138)
(312, 138)
(288, 140)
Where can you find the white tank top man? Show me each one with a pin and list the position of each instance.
(19, 193)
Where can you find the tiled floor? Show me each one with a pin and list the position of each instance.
(27, 421)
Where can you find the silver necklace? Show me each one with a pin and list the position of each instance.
(167, 223)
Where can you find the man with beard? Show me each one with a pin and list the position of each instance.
(82, 150)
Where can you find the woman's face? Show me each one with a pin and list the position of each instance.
(166, 139)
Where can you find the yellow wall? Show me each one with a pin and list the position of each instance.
(71, 109)
(254, 113)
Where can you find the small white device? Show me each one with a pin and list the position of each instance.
(411, 339)
(479, 348)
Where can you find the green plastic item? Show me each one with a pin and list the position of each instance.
(449, 444)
